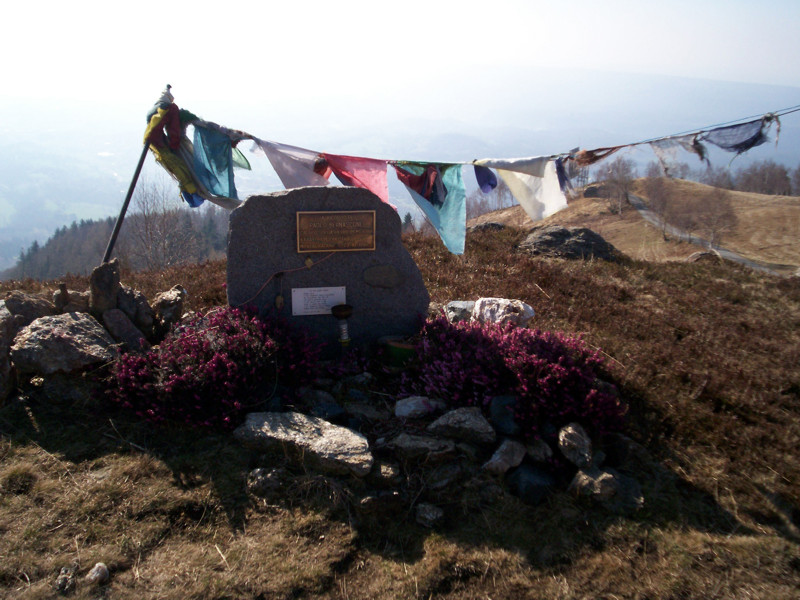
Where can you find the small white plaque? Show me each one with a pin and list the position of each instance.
(316, 301)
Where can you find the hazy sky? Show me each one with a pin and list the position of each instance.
(352, 54)
(439, 80)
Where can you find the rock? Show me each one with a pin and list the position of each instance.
(502, 310)
(78, 302)
(459, 310)
(98, 574)
(27, 307)
(489, 226)
(384, 474)
(65, 582)
(531, 484)
(384, 286)
(501, 415)
(367, 412)
(444, 476)
(361, 379)
(539, 451)
(9, 325)
(144, 318)
(571, 243)
(575, 445)
(104, 287)
(124, 331)
(595, 483)
(6, 377)
(466, 424)
(616, 492)
(265, 483)
(126, 301)
(705, 256)
(168, 308)
(428, 515)
(596, 191)
(65, 342)
(507, 456)
(61, 297)
(410, 447)
(330, 447)
(414, 407)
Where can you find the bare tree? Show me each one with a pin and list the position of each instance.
(715, 215)
(718, 177)
(480, 203)
(796, 181)
(764, 177)
(158, 234)
(579, 176)
(619, 177)
(659, 194)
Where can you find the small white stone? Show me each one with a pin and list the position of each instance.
(99, 574)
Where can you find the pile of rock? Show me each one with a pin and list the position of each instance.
(416, 454)
(79, 329)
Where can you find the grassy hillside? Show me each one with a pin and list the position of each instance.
(706, 355)
(767, 229)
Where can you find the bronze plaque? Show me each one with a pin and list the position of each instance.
(335, 231)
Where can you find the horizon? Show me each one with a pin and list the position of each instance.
(522, 79)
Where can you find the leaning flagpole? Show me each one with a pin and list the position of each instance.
(121, 217)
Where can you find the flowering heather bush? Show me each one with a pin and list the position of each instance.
(555, 376)
(207, 371)
(299, 349)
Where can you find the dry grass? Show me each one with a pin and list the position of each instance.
(706, 355)
(766, 231)
(629, 233)
(767, 228)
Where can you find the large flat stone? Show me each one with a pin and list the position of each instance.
(329, 447)
(384, 286)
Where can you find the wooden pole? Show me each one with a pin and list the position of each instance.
(121, 217)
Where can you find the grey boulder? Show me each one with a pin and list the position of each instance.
(330, 447)
(67, 342)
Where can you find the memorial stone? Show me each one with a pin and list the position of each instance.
(301, 251)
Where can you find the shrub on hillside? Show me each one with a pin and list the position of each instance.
(209, 370)
(554, 376)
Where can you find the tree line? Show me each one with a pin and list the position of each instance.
(157, 233)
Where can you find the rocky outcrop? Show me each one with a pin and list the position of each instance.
(572, 243)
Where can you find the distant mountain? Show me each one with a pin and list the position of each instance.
(67, 163)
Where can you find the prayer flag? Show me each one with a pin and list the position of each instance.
(367, 173)
(438, 189)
